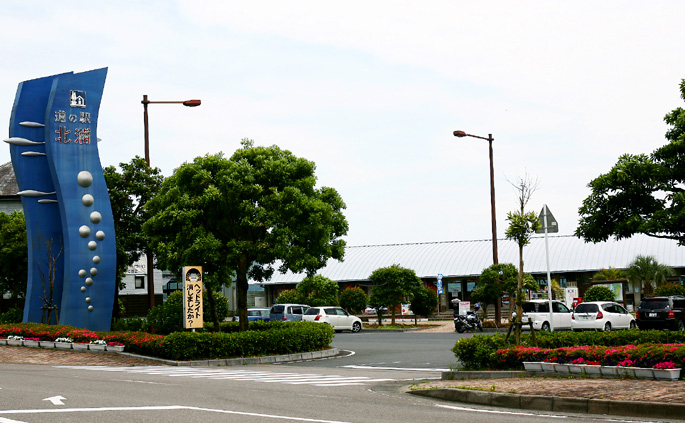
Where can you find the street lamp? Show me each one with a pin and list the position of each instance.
(490, 139)
(150, 263)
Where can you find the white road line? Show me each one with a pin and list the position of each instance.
(410, 369)
(514, 413)
(159, 408)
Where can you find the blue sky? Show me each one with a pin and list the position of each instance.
(371, 91)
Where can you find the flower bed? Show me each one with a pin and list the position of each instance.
(270, 339)
(658, 356)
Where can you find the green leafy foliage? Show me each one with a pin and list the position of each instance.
(598, 293)
(424, 301)
(392, 286)
(289, 296)
(13, 254)
(353, 299)
(168, 317)
(480, 351)
(13, 315)
(640, 193)
(318, 291)
(259, 206)
(645, 271)
(668, 290)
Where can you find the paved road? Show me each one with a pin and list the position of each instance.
(367, 386)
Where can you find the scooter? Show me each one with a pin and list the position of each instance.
(470, 321)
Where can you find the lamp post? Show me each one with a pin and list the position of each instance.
(150, 262)
(490, 139)
(495, 260)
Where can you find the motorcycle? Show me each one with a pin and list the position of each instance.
(470, 321)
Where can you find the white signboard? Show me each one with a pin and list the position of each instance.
(464, 306)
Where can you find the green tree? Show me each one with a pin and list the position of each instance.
(318, 290)
(669, 289)
(641, 193)
(392, 286)
(290, 296)
(13, 255)
(610, 274)
(168, 317)
(643, 272)
(424, 302)
(129, 192)
(353, 299)
(598, 293)
(494, 281)
(242, 215)
(522, 226)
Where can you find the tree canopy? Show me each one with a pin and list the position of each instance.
(249, 215)
(13, 255)
(424, 302)
(393, 286)
(353, 299)
(641, 193)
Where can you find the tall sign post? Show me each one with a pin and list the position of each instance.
(192, 298)
(549, 224)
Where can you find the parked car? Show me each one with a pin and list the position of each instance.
(371, 310)
(661, 313)
(334, 316)
(538, 312)
(601, 315)
(256, 313)
(287, 312)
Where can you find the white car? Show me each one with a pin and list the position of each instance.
(601, 315)
(334, 316)
(538, 312)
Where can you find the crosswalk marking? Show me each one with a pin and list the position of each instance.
(246, 375)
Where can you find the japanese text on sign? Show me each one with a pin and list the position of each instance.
(192, 297)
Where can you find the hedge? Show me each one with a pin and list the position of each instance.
(263, 338)
(480, 351)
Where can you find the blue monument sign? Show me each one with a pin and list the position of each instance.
(69, 223)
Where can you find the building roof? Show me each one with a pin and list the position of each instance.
(469, 258)
(8, 182)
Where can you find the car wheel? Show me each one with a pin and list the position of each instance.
(632, 324)
(356, 327)
(607, 327)
(545, 327)
(681, 325)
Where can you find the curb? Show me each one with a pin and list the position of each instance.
(556, 404)
(239, 361)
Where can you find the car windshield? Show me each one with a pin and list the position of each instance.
(535, 307)
(312, 311)
(586, 308)
(654, 303)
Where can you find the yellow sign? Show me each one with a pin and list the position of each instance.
(192, 297)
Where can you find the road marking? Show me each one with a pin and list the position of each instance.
(514, 413)
(56, 400)
(246, 375)
(161, 408)
(410, 369)
(3, 420)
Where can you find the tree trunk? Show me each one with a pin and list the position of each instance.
(241, 294)
(519, 291)
(212, 310)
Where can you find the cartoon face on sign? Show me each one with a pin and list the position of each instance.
(193, 276)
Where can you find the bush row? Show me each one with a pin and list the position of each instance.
(480, 351)
(263, 338)
(629, 355)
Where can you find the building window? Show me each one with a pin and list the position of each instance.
(140, 282)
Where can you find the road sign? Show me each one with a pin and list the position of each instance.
(552, 226)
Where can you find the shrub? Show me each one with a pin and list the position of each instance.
(13, 315)
(668, 290)
(289, 296)
(221, 303)
(354, 299)
(318, 290)
(131, 324)
(598, 293)
(479, 352)
(424, 301)
(167, 317)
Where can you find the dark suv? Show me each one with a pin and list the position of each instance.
(661, 313)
